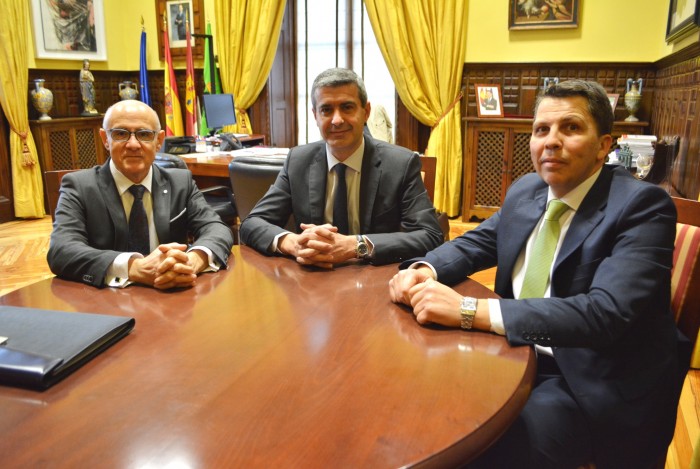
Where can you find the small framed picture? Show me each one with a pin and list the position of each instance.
(613, 97)
(489, 102)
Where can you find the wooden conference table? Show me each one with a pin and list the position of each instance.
(267, 364)
(211, 169)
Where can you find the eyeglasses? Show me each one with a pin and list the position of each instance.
(123, 135)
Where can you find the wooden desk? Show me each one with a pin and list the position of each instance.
(212, 169)
(267, 364)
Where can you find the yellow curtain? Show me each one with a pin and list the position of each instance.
(28, 190)
(247, 41)
(423, 43)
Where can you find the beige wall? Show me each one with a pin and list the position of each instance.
(123, 38)
(609, 31)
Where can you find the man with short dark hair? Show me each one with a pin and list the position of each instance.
(113, 221)
(587, 284)
(350, 196)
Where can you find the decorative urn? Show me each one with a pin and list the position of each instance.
(632, 98)
(42, 99)
(127, 90)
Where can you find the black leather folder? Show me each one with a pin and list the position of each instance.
(44, 346)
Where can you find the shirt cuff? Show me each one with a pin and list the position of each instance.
(275, 242)
(118, 273)
(496, 317)
(212, 264)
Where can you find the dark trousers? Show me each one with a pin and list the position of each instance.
(550, 431)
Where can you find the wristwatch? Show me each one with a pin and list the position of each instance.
(362, 250)
(467, 311)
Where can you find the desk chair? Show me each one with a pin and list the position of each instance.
(428, 172)
(53, 186)
(251, 177)
(220, 198)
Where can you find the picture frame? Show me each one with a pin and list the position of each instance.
(178, 46)
(489, 100)
(56, 35)
(683, 19)
(613, 97)
(543, 14)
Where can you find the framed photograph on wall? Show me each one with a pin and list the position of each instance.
(613, 97)
(69, 30)
(176, 13)
(489, 102)
(543, 14)
(683, 19)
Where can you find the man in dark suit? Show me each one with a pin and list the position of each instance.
(91, 239)
(387, 214)
(609, 367)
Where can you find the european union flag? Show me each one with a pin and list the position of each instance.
(143, 73)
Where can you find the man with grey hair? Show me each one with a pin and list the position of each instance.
(585, 282)
(351, 197)
(128, 221)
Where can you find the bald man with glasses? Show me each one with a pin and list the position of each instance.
(128, 221)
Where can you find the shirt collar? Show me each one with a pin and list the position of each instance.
(574, 198)
(354, 161)
(124, 183)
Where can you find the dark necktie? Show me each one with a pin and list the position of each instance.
(542, 255)
(340, 201)
(138, 223)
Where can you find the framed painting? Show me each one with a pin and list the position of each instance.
(489, 102)
(613, 97)
(69, 30)
(176, 13)
(543, 14)
(683, 19)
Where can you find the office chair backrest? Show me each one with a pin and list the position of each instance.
(251, 177)
(167, 160)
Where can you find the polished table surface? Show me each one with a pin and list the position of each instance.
(267, 364)
(216, 164)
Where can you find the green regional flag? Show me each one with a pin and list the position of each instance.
(210, 75)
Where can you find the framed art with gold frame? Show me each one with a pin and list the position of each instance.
(543, 14)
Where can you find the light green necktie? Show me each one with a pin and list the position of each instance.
(540, 264)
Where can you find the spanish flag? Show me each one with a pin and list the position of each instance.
(190, 96)
(173, 114)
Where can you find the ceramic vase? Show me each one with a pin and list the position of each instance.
(127, 90)
(632, 98)
(42, 99)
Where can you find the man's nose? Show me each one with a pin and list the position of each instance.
(337, 118)
(553, 140)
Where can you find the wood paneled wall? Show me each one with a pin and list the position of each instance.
(669, 98)
(675, 113)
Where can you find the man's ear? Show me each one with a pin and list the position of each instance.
(605, 142)
(103, 136)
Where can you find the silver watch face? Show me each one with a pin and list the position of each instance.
(362, 249)
(468, 303)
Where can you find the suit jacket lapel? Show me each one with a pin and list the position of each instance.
(318, 176)
(524, 218)
(160, 195)
(114, 205)
(369, 184)
(587, 217)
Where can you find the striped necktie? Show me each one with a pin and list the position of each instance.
(542, 255)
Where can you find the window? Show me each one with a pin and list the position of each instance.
(337, 34)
